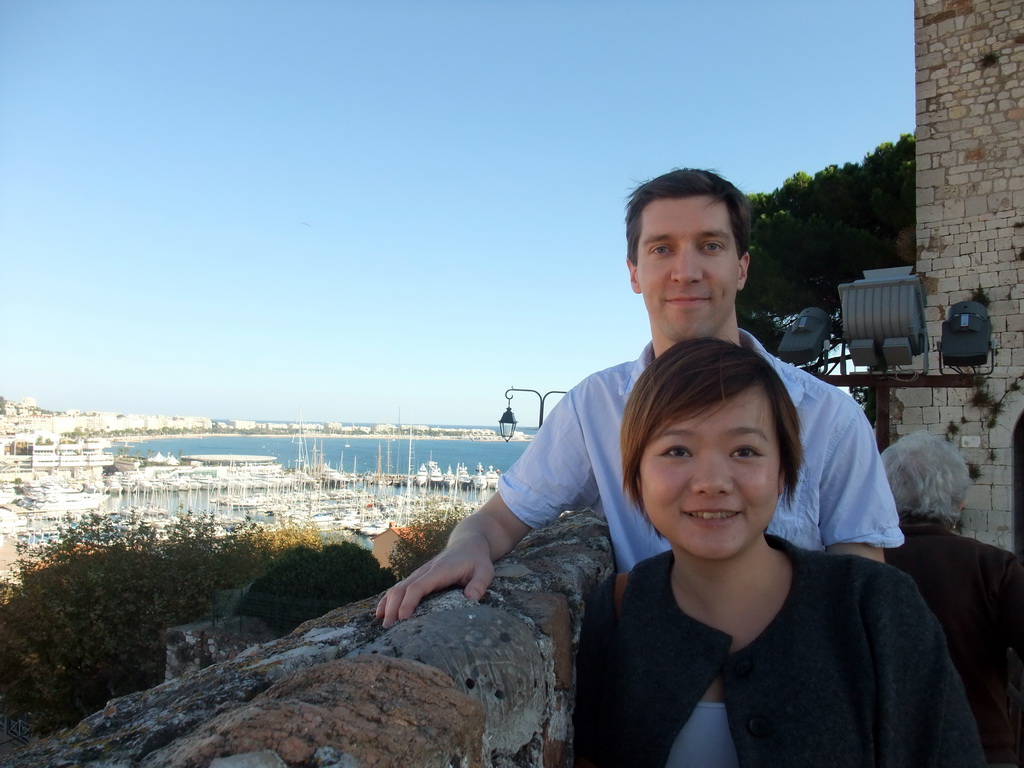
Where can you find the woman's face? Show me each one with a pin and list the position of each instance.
(710, 483)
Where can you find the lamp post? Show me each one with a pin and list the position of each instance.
(507, 422)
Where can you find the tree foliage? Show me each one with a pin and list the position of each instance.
(306, 582)
(426, 535)
(341, 573)
(814, 233)
(85, 620)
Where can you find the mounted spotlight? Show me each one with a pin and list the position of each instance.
(806, 339)
(883, 318)
(966, 336)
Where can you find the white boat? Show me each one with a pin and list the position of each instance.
(373, 529)
(63, 501)
(479, 480)
(8, 494)
(11, 523)
(434, 476)
(491, 478)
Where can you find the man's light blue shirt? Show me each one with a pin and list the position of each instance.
(842, 495)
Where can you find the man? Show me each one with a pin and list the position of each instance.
(687, 236)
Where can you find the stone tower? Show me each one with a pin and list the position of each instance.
(970, 240)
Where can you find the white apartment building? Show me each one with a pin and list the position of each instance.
(41, 453)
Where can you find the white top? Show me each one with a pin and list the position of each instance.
(573, 462)
(705, 741)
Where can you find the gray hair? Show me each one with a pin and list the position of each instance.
(928, 477)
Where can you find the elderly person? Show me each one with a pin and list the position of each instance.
(975, 590)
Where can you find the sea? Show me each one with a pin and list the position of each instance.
(348, 454)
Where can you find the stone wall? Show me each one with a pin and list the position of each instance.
(192, 647)
(970, 232)
(460, 683)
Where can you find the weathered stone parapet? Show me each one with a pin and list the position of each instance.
(459, 684)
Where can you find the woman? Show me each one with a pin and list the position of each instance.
(735, 648)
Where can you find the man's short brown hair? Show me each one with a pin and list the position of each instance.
(688, 182)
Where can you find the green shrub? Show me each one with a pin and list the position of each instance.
(308, 582)
(85, 620)
(425, 536)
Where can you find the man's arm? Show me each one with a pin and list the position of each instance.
(485, 536)
(854, 501)
(859, 548)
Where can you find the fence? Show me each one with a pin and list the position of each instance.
(13, 730)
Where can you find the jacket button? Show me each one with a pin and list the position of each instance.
(743, 667)
(760, 727)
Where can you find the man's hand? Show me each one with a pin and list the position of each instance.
(483, 537)
(466, 563)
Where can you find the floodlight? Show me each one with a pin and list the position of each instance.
(807, 337)
(883, 317)
(966, 335)
(864, 353)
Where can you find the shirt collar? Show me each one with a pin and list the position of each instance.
(638, 367)
(794, 382)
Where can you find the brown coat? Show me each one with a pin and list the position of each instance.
(977, 593)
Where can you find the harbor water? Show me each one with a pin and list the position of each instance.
(355, 455)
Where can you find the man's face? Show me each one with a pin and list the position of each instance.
(688, 270)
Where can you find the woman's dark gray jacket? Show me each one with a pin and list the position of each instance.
(853, 671)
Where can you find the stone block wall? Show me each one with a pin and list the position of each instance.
(970, 232)
(192, 647)
(459, 684)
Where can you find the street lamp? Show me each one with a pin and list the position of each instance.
(507, 422)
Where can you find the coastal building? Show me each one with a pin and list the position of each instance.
(352, 429)
(57, 423)
(23, 419)
(384, 544)
(29, 455)
(230, 460)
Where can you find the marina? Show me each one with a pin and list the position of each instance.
(272, 480)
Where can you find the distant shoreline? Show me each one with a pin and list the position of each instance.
(146, 438)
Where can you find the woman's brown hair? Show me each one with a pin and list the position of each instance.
(696, 376)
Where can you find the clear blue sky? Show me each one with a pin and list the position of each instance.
(359, 209)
